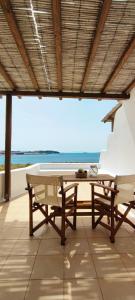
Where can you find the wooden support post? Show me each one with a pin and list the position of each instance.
(7, 190)
(112, 124)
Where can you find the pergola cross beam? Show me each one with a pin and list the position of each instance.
(93, 49)
(56, 15)
(72, 95)
(123, 59)
(10, 17)
(130, 86)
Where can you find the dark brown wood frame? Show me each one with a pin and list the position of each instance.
(62, 212)
(7, 187)
(104, 204)
(78, 95)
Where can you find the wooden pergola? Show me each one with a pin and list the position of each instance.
(66, 49)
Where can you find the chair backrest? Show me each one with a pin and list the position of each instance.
(126, 186)
(46, 188)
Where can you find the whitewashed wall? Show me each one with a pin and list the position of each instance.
(119, 158)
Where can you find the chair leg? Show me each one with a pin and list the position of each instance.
(93, 210)
(75, 207)
(116, 215)
(112, 236)
(30, 218)
(46, 210)
(63, 238)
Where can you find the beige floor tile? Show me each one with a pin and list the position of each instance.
(16, 217)
(25, 234)
(48, 267)
(118, 288)
(50, 247)
(79, 266)
(125, 244)
(25, 247)
(14, 290)
(45, 290)
(122, 232)
(20, 219)
(3, 260)
(80, 222)
(130, 229)
(109, 265)
(129, 261)
(17, 267)
(14, 224)
(6, 247)
(78, 233)
(101, 246)
(3, 208)
(86, 221)
(82, 289)
(47, 232)
(76, 246)
(97, 232)
(112, 262)
(10, 233)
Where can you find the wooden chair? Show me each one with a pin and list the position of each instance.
(107, 200)
(47, 191)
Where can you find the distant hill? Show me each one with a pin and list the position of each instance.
(32, 152)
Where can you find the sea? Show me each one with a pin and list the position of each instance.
(92, 157)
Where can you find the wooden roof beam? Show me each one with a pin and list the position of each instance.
(123, 59)
(56, 14)
(93, 49)
(7, 77)
(77, 95)
(10, 17)
(110, 116)
(130, 86)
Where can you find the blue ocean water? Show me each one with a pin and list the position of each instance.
(53, 158)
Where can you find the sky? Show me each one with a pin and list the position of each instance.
(50, 124)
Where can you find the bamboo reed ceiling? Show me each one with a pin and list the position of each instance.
(85, 46)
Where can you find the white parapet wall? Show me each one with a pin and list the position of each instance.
(63, 168)
(18, 176)
(119, 157)
(18, 180)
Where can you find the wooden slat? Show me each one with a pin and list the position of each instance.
(56, 14)
(123, 59)
(10, 17)
(7, 77)
(77, 95)
(93, 49)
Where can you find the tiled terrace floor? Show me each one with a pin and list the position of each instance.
(89, 267)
